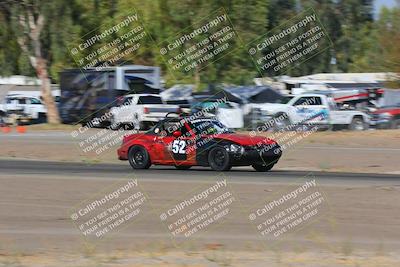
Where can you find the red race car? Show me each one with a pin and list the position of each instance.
(184, 142)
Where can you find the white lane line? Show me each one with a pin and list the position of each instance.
(33, 205)
(36, 135)
(352, 148)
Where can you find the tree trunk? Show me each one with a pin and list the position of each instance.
(32, 29)
(48, 99)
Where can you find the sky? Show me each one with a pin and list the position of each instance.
(379, 3)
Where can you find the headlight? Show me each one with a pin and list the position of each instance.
(235, 148)
(385, 115)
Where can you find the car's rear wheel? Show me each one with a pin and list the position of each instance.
(139, 157)
(358, 124)
(42, 118)
(282, 122)
(113, 124)
(219, 160)
(262, 167)
(183, 167)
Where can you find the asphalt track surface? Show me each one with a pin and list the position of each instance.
(166, 172)
(36, 198)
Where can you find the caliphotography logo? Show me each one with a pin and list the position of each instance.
(289, 44)
(200, 44)
(111, 44)
(199, 133)
(110, 210)
(204, 211)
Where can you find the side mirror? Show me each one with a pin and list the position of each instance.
(177, 134)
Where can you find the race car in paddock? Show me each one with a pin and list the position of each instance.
(184, 142)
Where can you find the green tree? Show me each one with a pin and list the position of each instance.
(359, 42)
(41, 31)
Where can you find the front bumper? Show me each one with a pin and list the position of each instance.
(382, 123)
(265, 154)
(122, 153)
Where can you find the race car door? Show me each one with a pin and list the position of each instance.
(179, 145)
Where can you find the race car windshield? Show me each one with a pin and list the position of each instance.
(210, 127)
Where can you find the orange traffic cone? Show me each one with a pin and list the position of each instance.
(6, 129)
(21, 129)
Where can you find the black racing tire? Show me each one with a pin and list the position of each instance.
(395, 123)
(127, 126)
(357, 124)
(218, 159)
(139, 158)
(42, 118)
(115, 126)
(262, 167)
(183, 167)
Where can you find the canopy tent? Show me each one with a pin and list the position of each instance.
(178, 92)
(222, 94)
(256, 94)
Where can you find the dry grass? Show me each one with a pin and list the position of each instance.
(51, 127)
(206, 258)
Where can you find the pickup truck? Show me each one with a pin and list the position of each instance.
(228, 113)
(313, 109)
(22, 109)
(140, 111)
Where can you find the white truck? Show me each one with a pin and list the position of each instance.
(228, 113)
(313, 109)
(22, 109)
(140, 111)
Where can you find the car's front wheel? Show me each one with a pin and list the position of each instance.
(139, 158)
(219, 160)
(262, 167)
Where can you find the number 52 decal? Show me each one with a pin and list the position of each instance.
(179, 147)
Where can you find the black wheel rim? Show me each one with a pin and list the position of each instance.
(138, 158)
(219, 158)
